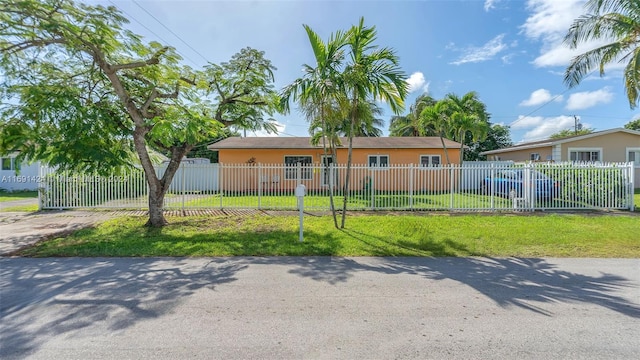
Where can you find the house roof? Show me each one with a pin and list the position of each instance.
(358, 143)
(553, 142)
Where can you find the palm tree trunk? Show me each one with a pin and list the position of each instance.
(461, 147)
(446, 153)
(328, 169)
(347, 176)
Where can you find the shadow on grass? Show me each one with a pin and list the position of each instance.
(427, 246)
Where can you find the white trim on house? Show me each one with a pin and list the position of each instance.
(585, 149)
(431, 157)
(556, 153)
(517, 148)
(378, 162)
(291, 173)
(558, 142)
(636, 150)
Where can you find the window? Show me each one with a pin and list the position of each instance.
(586, 154)
(534, 157)
(633, 156)
(378, 160)
(291, 167)
(10, 164)
(429, 160)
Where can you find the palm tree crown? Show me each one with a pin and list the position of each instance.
(618, 23)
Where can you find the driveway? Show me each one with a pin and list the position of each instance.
(20, 229)
(319, 308)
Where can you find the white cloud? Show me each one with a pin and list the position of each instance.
(262, 133)
(490, 4)
(507, 58)
(548, 23)
(550, 19)
(541, 127)
(417, 82)
(525, 122)
(587, 99)
(540, 97)
(485, 52)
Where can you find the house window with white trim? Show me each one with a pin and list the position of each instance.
(10, 164)
(585, 154)
(633, 156)
(291, 167)
(379, 161)
(429, 160)
(534, 157)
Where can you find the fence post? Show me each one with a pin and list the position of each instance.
(631, 185)
(220, 177)
(260, 181)
(411, 184)
(372, 185)
(451, 186)
(183, 181)
(491, 187)
(41, 184)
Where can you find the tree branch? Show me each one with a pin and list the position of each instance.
(155, 59)
(14, 48)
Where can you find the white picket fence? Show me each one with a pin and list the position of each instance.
(481, 186)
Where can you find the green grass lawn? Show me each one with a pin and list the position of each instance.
(17, 195)
(552, 235)
(443, 201)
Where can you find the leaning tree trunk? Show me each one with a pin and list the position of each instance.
(446, 153)
(157, 186)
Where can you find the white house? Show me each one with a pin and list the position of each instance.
(15, 176)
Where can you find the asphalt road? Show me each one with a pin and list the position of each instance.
(319, 308)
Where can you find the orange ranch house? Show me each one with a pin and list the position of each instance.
(374, 159)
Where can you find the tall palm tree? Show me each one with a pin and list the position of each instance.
(467, 114)
(370, 73)
(320, 88)
(409, 125)
(618, 23)
(337, 124)
(436, 117)
(369, 124)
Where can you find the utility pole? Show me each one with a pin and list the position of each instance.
(576, 124)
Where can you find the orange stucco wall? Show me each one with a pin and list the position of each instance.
(253, 171)
(360, 156)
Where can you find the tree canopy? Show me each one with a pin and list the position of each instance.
(568, 133)
(616, 23)
(633, 125)
(82, 92)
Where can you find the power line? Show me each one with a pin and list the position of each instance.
(546, 103)
(151, 31)
(540, 107)
(171, 31)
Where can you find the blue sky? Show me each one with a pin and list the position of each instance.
(509, 51)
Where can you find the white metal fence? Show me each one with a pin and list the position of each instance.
(481, 186)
